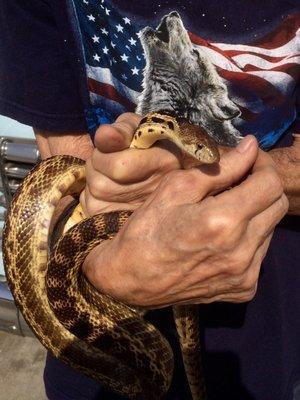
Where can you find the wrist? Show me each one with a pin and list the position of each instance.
(101, 269)
(107, 268)
(287, 162)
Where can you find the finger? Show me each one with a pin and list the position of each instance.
(117, 136)
(103, 188)
(191, 186)
(229, 289)
(234, 163)
(134, 165)
(263, 160)
(220, 287)
(251, 279)
(263, 224)
(255, 194)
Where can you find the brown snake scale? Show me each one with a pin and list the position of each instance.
(93, 333)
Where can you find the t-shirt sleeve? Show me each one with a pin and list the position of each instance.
(38, 83)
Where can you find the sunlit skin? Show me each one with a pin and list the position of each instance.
(227, 267)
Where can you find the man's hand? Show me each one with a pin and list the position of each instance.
(121, 178)
(184, 245)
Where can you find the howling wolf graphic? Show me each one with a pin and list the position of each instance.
(180, 79)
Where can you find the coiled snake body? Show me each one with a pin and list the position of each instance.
(106, 340)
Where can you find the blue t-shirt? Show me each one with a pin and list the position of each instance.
(225, 66)
(231, 66)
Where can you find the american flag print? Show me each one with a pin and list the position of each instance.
(262, 76)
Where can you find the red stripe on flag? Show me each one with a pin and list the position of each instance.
(291, 69)
(201, 42)
(108, 91)
(198, 40)
(279, 37)
(232, 53)
(255, 84)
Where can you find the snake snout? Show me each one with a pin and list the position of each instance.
(204, 154)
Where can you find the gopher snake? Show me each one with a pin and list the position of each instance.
(106, 340)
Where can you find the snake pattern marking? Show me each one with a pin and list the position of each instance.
(93, 333)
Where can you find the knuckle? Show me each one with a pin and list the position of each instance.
(120, 169)
(237, 282)
(249, 284)
(250, 294)
(221, 226)
(274, 182)
(251, 278)
(98, 188)
(285, 203)
(246, 288)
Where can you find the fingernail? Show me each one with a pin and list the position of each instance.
(245, 144)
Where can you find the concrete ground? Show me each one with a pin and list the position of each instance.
(21, 368)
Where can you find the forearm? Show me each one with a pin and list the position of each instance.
(287, 160)
(77, 144)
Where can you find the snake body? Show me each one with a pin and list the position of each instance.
(93, 333)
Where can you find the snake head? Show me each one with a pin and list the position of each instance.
(191, 139)
(203, 153)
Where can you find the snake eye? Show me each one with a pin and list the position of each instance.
(170, 125)
(199, 148)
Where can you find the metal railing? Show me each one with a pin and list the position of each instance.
(17, 158)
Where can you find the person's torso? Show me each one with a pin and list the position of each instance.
(228, 66)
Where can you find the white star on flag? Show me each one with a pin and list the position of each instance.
(120, 28)
(85, 2)
(124, 57)
(126, 20)
(135, 71)
(96, 39)
(104, 31)
(111, 46)
(132, 41)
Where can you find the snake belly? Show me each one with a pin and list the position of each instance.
(93, 333)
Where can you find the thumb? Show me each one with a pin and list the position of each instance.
(233, 165)
(117, 136)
